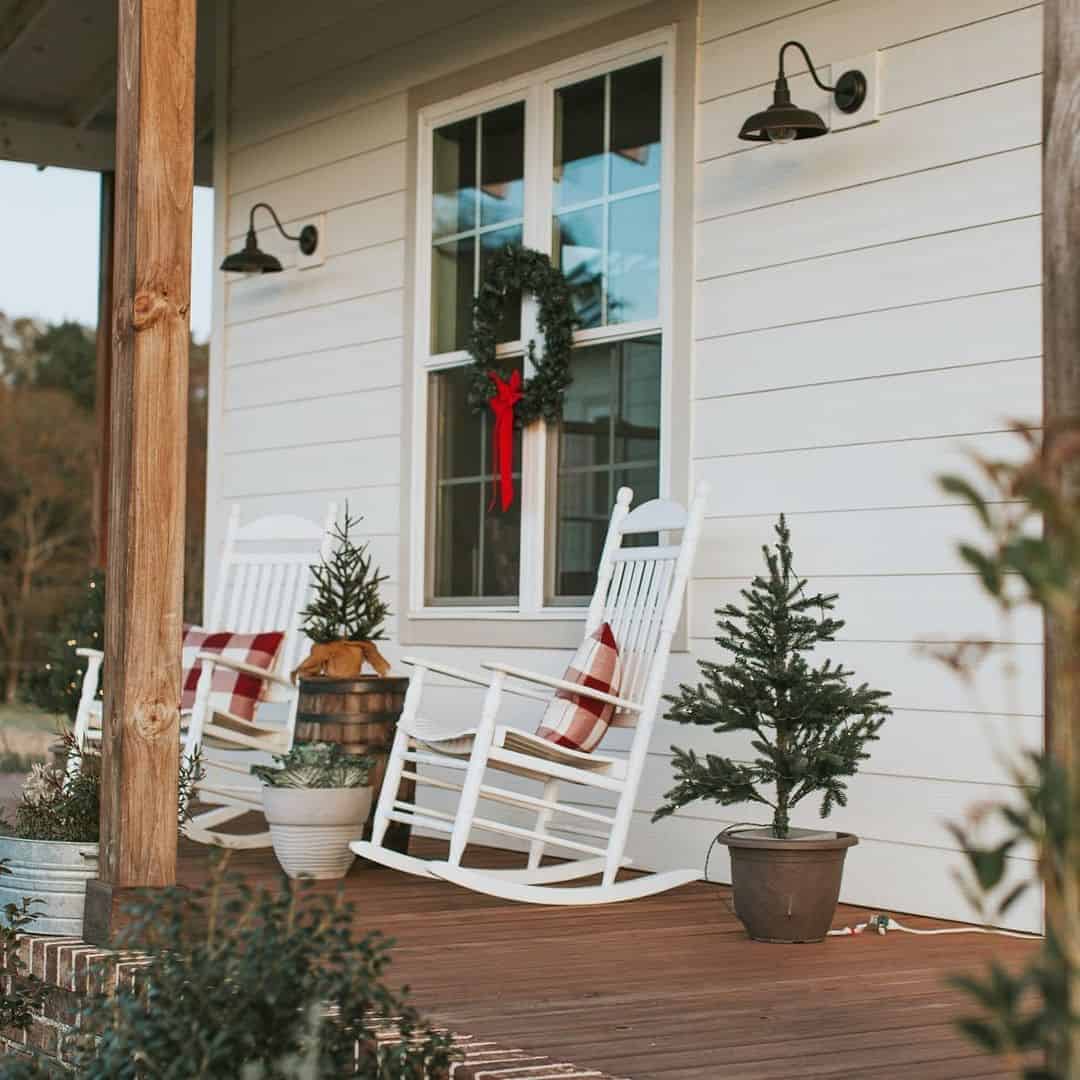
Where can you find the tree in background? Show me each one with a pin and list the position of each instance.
(47, 390)
(46, 461)
(63, 359)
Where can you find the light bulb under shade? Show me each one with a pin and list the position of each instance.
(781, 134)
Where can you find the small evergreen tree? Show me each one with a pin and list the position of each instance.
(57, 684)
(346, 605)
(807, 725)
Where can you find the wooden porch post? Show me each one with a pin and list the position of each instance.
(151, 287)
(103, 369)
(1061, 410)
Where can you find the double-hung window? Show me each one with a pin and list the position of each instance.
(572, 161)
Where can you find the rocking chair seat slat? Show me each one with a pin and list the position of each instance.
(459, 744)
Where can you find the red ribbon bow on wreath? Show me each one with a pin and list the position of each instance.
(507, 395)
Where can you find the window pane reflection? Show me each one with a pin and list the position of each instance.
(609, 437)
(471, 220)
(635, 126)
(491, 243)
(578, 250)
(454, 187)
(633, 270)
(579, 142)
(476, 552)
(502, 186)
(606, 229)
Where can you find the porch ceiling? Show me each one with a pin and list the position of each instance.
(58, 84)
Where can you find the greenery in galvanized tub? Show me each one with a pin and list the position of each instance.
(256, 983)
(808, 727)
(61, 805)
(315, 765)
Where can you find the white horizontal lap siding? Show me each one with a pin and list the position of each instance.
(867, 319)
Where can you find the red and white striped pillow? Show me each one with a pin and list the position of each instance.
(576, 721)
(231, 691)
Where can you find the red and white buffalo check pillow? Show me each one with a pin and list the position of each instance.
(231, 691)
(574, 720)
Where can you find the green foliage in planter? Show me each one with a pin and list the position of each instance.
(1029, 554)
(807, 726)
(56, 686)
(57, 805)
(346, 605)
(234, 978)
(19, 996)
(315, 765)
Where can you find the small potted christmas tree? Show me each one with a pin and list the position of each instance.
(807, 730)
(339, 703)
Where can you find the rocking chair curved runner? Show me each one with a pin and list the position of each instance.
(639, 594)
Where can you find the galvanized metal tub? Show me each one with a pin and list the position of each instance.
(53, 871)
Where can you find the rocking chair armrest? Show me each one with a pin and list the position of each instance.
(467, 676)
(90, 654)
(212, 659)
(563, 684)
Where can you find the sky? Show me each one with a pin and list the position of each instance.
(49, 246)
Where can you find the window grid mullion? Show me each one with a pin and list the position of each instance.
(478, 231)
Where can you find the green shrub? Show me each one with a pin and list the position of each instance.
(237, 985)
(57, 805)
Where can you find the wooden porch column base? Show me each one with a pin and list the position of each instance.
(104, 915)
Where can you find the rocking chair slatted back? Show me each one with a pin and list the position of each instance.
(639, 591)
(264, 581)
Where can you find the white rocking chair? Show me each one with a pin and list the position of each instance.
(263, 584)
(639, 592)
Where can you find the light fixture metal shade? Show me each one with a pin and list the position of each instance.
(783, 117)
(251, 260)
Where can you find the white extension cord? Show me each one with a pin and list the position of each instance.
(884, 923)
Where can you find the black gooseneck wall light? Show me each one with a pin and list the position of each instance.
(784, 122)
(252, 260)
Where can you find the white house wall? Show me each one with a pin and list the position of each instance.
(867, 316)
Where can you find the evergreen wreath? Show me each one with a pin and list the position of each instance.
(521, 268)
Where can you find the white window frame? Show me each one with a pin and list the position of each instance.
(537, 90)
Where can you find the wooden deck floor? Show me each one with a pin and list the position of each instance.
(667, 987)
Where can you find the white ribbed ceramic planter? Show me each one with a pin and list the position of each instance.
(311, 828)
(54, 872)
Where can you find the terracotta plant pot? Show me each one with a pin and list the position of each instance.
(310, 828)
(786, 890)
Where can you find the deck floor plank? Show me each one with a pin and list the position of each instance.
(668, 987)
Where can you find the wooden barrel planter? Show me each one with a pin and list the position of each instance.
(361, 715)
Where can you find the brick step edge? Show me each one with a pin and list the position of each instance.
(70, 964)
